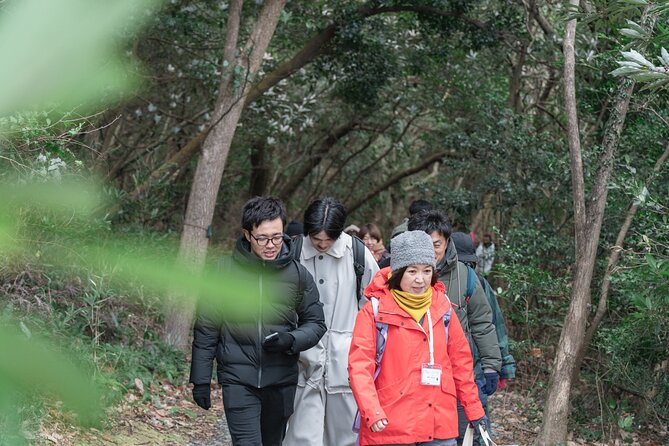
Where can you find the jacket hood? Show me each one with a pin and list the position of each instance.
(242, 254)
(450, 259)
(378, 287)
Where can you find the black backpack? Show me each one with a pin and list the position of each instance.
(358, 259)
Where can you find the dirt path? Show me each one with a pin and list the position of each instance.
(174, 420)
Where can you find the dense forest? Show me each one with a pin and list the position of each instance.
(131, 133)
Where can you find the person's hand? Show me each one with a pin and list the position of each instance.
(502, 383)
(278, 342)
(491, 380)
(202, 395)
(378, 426)
(483, 421)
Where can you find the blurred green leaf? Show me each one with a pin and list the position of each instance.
(65, 51)
(32, 365)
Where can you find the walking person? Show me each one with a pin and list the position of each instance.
(474, 312)
(467, 255)
(485, 252)
(324, 404)
(370, 234)
(257, 357)
(410, 395)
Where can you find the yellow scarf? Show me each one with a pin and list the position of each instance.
(414, 304)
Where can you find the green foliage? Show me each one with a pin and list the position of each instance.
(114, 343)
(636, 345)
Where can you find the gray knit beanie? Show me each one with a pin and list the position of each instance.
(411, 248)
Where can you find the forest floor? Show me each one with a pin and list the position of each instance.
(173, 419)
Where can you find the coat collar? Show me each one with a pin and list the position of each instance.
(337, 250)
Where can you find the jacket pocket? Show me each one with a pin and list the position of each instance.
(338, 344)
(392, 393)
(448, 385)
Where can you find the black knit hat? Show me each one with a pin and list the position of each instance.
(464, 247)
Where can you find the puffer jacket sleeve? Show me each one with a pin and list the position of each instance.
(206, 335)
(482, 329)
(361, 367)
(311, 320)
(463, 374)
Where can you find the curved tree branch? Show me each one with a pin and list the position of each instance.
(397, 177)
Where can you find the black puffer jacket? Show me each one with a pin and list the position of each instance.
(294, 307)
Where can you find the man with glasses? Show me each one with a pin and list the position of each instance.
(324, 404)
(257, 354)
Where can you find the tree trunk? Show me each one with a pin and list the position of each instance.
(259, 169)
(516, 80)
(588, 224)
(215, 148)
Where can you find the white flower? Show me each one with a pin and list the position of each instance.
(170, 68)
(151, 108)
(41, 158)
(271, 140)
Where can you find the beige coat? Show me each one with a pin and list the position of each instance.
(326, 363)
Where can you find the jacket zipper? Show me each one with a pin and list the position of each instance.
(260, 334)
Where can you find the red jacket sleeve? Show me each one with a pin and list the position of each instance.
(361, 366)
(463, 370)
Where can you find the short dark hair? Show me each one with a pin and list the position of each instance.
(419, 206)
(396, 278)
(371, 229)
(260, 209)
(430, 221)
(325, 214)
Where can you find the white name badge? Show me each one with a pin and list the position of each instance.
(430, 375)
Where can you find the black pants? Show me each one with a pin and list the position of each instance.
(257, 417)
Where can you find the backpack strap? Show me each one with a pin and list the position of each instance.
(447, 322)
(358, 264)
(471, 284)
(381, 337)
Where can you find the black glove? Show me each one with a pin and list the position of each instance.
(202, 395)
(278, 342)
(491, 381)
(480, 422)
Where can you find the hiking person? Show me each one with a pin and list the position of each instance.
(467, 255)
(485, 252)
(370, 234)
(294, 228)
(409, 395)
(352, 230)
(415, 207)
(474, 312)
(257, 356)
(341, 266)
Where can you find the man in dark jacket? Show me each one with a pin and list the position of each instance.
(467, 255)
(257, 353)
(473, 311)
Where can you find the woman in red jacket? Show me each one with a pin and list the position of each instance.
(425, 367)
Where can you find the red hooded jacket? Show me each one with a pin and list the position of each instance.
(415, 412)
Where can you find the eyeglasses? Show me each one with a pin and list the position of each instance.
(262, 240)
